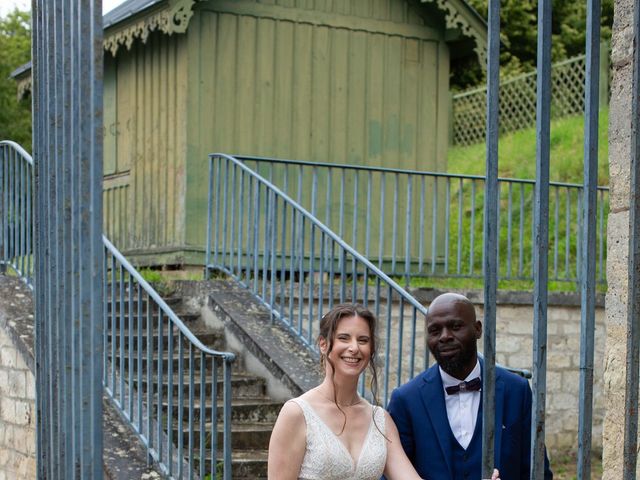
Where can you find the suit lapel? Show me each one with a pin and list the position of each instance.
(432, 393)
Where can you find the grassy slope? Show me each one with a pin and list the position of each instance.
(517, 159)
(517, 153)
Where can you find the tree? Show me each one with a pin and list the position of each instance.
(15, 50)
(518, 25)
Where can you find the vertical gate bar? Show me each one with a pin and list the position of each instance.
(407, 232)
(459, 246)
(321, 277)
(588, 239)
(421, 227)
(472, 230)
(541, 235)
(225, 221)
(354, 234)
(579, 223)
(312, 254)
(227, 420)
(301, 242)
(394, 227)
(509, 228)
(633, 295)
(434, 226)
(447, 227)
(491, 240)
(556, 235)
(341, 209)
(601, 237)
(266, 244)
(498, 228)
(400, 336)
(567, 234)
(42, 408)
(232, 200)
(381, 225)
(367, 243)
(274, 253)
(521, 234)
(241, 251)
(207, 261)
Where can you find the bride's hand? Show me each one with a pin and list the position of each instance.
(495, 475)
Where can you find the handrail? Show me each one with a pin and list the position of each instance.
(162, 304)
(369, 168)
(397, 288)
(430, 223)
(138, 398)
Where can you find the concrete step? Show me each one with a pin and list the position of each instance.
(243, 410)
(242, 385)
(211, 338)
(244, 436)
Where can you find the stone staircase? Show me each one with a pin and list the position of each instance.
(253, 412)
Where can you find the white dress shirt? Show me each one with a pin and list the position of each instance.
(462, 407)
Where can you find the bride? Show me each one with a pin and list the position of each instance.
(330, 432)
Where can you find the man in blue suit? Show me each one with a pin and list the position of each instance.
(439, 413)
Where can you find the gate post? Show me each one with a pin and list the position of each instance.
(67, 145)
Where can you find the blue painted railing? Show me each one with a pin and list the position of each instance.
(413, 223)
(299, 268)
(155, 370)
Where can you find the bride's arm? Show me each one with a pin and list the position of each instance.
(288, 443)
(398, 466)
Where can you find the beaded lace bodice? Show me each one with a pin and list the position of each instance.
(326, 457)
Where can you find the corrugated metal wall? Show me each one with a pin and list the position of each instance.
(314, 85)
(145, 143)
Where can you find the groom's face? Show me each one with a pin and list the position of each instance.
(452, 333)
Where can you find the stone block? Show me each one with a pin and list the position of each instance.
(31, 386)
(8, 357)
(7, 410)
(17, 383)
(558, 359)
(24, 413)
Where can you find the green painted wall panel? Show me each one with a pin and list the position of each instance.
(264, 85)
(147, 153)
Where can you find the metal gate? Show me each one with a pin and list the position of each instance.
(67, 146)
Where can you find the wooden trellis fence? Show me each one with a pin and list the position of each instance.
(518, 100)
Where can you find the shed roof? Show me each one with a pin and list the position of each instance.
(137, 18)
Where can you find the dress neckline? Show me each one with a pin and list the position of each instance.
(354, 463)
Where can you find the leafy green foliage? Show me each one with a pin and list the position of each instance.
(15, 50)
(518, 20)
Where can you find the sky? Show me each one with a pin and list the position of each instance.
(8, 5)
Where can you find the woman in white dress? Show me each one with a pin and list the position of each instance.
(330, 432)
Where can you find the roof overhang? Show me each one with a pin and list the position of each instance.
(461, 20)
(133, 19)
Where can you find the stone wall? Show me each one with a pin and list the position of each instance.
(17, 414)
(618, 239)
(514, 348)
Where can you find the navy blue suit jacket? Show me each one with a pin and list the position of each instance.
(419, 411)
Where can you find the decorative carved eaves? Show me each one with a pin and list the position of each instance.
(24, 86)
(173, 18)
(459, 16)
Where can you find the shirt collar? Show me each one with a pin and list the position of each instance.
(449, 381)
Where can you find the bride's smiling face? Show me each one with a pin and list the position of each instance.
(351, 350)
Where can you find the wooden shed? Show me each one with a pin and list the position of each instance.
(344, 81)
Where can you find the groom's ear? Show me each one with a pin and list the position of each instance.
(478, 329)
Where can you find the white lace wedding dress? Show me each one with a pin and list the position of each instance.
(326, 457)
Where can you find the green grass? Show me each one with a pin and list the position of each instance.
(517, 159)
(517, 153)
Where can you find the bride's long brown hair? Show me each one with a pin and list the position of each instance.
(328, 325)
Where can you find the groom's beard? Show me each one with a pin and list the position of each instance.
(455, 366)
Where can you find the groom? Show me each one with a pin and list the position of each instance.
(439, 413)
